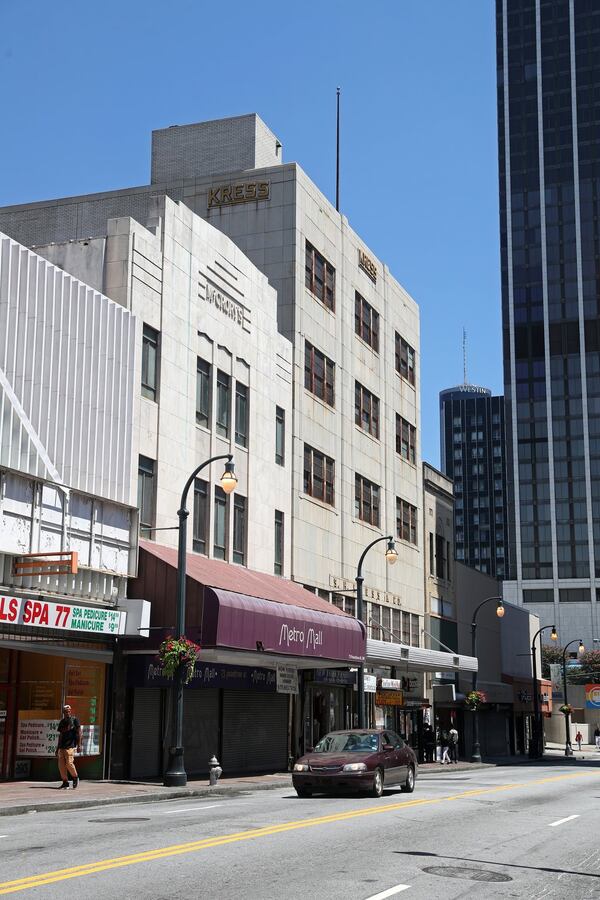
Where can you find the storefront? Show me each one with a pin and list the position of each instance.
(53, 652)
(523, 710)
(266, 682)
(400, 702)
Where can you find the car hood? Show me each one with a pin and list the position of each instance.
(335, 759)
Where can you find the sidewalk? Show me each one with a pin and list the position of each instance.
(18, 797)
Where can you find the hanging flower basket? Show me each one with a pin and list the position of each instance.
(566, 709)
(175, 652)
(474, 699)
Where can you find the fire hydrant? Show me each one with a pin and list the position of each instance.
(214, 770)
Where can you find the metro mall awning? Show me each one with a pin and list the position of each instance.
(417, 659)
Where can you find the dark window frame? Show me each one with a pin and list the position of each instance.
(223, 390)
(319, 277)
(319, 374)
(201, 517)
(146, 474)
(279, 436)
(220, 502)
(367, 500)
(203, 392)
(240, 529)
(405, 358)
(366, 322)
(366, 410)
(150, 358)
(406, 521)
(406, 439)
(319, 475)
(279, 536)
(241, 414)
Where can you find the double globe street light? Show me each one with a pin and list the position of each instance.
(391, 555)
(175, 775)
(476, 751)
(580, 650)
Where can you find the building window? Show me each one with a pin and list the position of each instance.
(278, 568)
(440, 556)
(414, 630)
(319, 472)
(366, 500)
(431, 564)
(366, 322)
(202, 393)
(279, 436)
(220, 536)
(366, 409)
(146, 494)
(200, 536)
(405, 359)
(149, 362)
(406, 439)
(406, 628)
(223, 388)
(320, 277)
(239, 530)
(406, 521)
(319, 374)
(241, 414)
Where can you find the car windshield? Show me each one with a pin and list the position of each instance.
(347, 741)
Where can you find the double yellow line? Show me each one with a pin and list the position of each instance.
(32, 881)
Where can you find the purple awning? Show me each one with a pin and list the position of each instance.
(249, 623)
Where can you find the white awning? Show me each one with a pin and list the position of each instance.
(417, 659)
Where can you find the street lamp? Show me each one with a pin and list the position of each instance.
(175, 775)
(476, 751)
(535, 751)
(581, 649)
(391, 555)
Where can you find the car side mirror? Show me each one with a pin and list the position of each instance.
(387, 747)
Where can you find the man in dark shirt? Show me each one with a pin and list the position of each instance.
(69, 740)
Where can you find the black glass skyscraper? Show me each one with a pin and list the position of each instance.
(548, 60)
(472, 454)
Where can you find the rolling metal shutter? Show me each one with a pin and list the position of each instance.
(146, 734)
(255, 730)
(200, 729)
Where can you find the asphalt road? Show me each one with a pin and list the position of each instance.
(529, 831)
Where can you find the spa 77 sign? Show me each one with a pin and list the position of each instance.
(63, 616)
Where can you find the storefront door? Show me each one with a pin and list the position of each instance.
(328, 711)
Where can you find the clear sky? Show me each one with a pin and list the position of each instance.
(84, 84)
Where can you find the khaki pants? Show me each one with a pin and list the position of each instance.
(66, 763)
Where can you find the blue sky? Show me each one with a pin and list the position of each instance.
(85, 84)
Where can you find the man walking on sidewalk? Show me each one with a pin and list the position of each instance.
(69, 740)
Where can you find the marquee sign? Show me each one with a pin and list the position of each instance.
(62, 616)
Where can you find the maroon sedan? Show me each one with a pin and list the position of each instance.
(361, 760)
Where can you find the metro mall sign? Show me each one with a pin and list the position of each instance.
(63, 616)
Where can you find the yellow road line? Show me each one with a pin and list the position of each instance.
(32, 881)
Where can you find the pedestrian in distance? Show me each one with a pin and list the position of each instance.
(445, 747)
(69, 741)
(453, 738)
(579, 738)
(429, 744)
(597, 737)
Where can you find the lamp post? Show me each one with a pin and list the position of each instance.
(568, 748)
(175, 775)
(391, 555)
(476, 751)
(535, 750)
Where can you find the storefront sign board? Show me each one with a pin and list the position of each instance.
(334, 676)
(370, 684)
(287, 679)
(145, 671)
(39, 737)
(62, 616)
(389, 698)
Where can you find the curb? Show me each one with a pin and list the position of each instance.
(140, 798)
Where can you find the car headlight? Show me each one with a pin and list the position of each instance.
(355, 767)
(300, 767)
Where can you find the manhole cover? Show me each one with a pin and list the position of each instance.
(464, 872)
(113, 821)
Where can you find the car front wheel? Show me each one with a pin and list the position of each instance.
(377, 789)
(409, 785)
(303, 792)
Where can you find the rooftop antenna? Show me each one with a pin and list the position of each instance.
(337, 155)
(464, 356)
